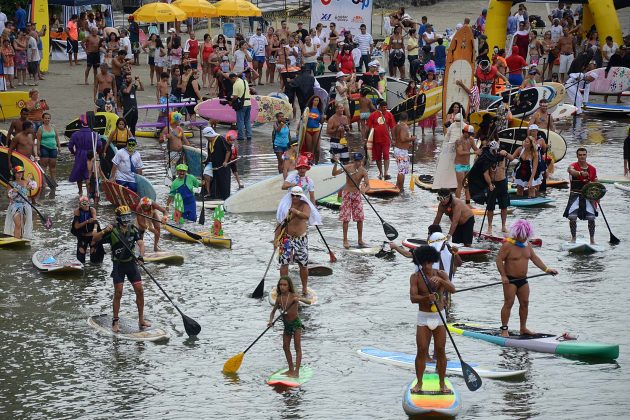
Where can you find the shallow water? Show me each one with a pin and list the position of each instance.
(54, 365)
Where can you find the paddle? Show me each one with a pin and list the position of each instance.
(194, 236)
(500, 282)
(96, 167)
(52, 184)
(46, 220)
(412, 184)
(332, 255)
(472, 378)
(613, 239)
(234, 363)
(258, 292)
(202, 216)
(390, 232)
(190, 325)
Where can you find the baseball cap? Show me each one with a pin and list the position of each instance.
(209, 132)
(532, 127)
(297, 190)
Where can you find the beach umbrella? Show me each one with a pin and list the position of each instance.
(240, 8)
(196, 8)
(159, 12)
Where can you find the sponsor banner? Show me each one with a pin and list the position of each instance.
(346, 14)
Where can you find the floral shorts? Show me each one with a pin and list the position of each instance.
(294, 249)
(351, 207)
(402, 160)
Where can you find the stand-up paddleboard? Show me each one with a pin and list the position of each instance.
(558, 93)
(369, 145)
(12, 104)
(310, 294)
(372, 250)
(269, 106)
(119, 195)
(607, 108)
(424, 181)
(207, 237)
(581, 246)
(301, 130)
(510, 139)
(476, 118)
(31, 170)
(453, 367)
(145, 188)
(463, 251)
(104, 123)
(622, 187)
(480, 211)
(319, 270)
(545, 343)
(380, 188)
(48, 261)
(265, 195)
(617, 81)
(530, 202)
(39, 16)
(279, 378)
(537, 242)
(523, 102)
(445, 171)
(220, 109)
(194, 160)
(431, 401)
(611, 179)
(333, 201)
(164, 257)
(460, 56)
(433, 102)
(129, 329)
(563, 111)
(413, 107)
(9, 242)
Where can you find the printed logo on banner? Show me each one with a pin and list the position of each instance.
(326, 17)
(364, 3)
(341, 18)
(326, 2)
(357, 19)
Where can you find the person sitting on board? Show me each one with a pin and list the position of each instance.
(125, 165)
(300, 179)
(403, 141)
(19, 219)
(581, 173)
(287, 302)
(464, 145)
(121, 236)
(526, 170)
(183, 188)
(84, 225)
(295, 213)
(462, 218)
(147, 207)
(426, 288)
(512, 263)
(351, 203)
(173, 134)
(381, 122)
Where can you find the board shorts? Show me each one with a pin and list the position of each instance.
(579, 207)
(462, 168)
(207, 170)
(520, 283)
(151, 61)
(129, 269)
(565, 62)
(501, 196)
(259, 58)
(402, 160)
(72, 46)
(396, 58)
(93, 59)
(380, 151)
(464, 233)
(431, 320)
(364, 115)
(46, 153)
(32, 67)
(351, 207)
(280, 149)
(9, 70)
(131, 185)
(290, 327)
(294, 249)
(233, 167)
(336, 148)
(515, 79)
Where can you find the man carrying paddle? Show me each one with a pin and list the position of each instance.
(123, 237)
(352, 206)
(426, 287)
(403, 141)
(462, 218)
(581, 173)
(512, 260)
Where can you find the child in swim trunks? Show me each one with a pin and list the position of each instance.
(351, 205)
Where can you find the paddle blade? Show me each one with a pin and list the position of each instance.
(614, 240)
(390, 232)
(472, 378)
(333, 258)
(193, 235)
(412, 183)
(202, 216)
(191, 326)
(258, 293)
(234, 363)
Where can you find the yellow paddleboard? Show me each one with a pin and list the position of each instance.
(207, 237)
(39, 16)
(31, 171)
(433, 103)
(11, 103)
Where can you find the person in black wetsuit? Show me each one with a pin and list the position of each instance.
(84, 225)
(128, 91)
(191, 93)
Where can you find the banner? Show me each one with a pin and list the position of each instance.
(346, 14)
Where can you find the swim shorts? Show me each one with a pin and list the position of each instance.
(380, 151)
(207, 170)
(430, 319)
(351, 207)
(462, 168)
(290, 327)
(501, 196)
(364, 115)
(402, 160)
(129, 269)
(336, 148)
(464, 233)
(294, 249)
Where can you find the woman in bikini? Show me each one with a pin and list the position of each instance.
(527, 167)
(397, 53)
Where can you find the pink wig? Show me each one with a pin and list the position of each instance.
(521, 229)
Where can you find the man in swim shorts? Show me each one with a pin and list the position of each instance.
(581, 173)
(337, 128)
(512, 263)
(462, 218)
(351, 205)
(403, 141)
(366, 107)
(464, 145)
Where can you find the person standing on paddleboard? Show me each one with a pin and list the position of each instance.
(581, 173)
(352, 205)
(512, 260)
(300, 179)
(462, 159)
(496, 180)
(147, 207)
(295, 213)
(123, 237)
(381, 122)
(462, 218)
(426, 288)
(403, 141)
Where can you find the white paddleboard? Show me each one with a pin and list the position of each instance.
(622, 187)
(129, 329)
(48, 261)
(311, 294)
(445, 171)
(563, 111)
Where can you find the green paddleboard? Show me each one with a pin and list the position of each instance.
(279, 378)
(333, 201)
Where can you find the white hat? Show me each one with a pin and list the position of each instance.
(374, 63)
(532, 127)
(340, 74)
(297, 190)
(437, 237)
(209, 132)
(458, 26)
(171, 31)
(381, 71)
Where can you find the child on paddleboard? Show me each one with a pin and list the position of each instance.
(287, 301)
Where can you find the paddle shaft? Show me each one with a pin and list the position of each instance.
(41, 216)
(258, 292)
(269, 327)
(332, 255)
(413, 150)
(359, 189)
(613, 238)
(191, 234)
(230, 162)
(500, 282)
(202, 216)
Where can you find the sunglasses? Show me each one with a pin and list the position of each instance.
(441, 198)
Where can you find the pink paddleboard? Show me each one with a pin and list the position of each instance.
(617, 81)
(219, 109)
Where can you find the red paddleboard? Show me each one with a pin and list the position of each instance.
(119, 195)
(413, 243)
(533, 242)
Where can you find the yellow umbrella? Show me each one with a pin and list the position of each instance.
(196, 8)
(159, 12)
(236, 8)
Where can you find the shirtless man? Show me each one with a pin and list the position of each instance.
(462, 159)
(497, 186)
(542, 117)
(118, 63)
(336, 128)
(104, 80)
(91, 46)
(366, 107)
(173, 134)
(147, 207)
(291, 237)
(161, 92)
(23, 142)
(512, 260)
(567, 53)
(17, 126)
(352, 205)
(403, 141)
(426, 287)
(462, 218)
